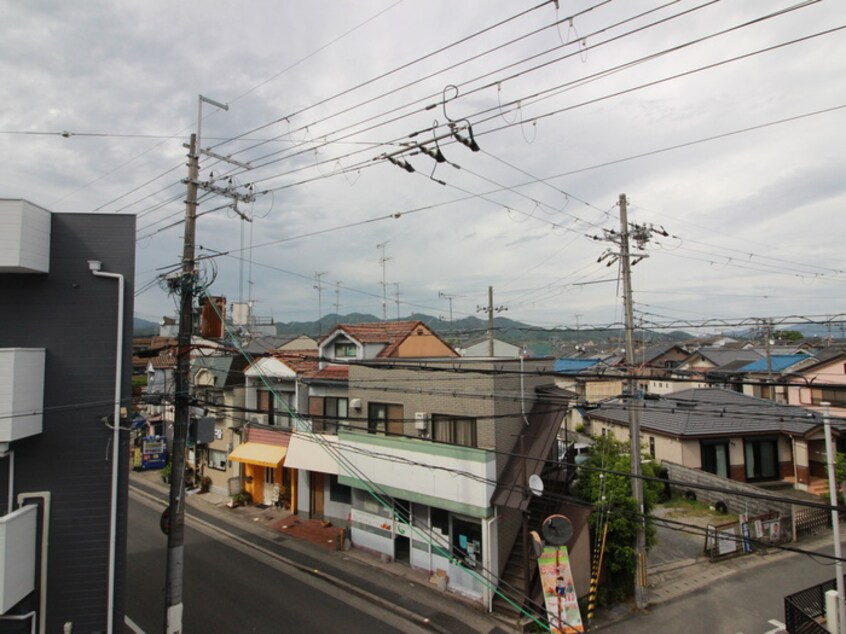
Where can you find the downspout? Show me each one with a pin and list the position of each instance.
(44, 496)
(95, 266)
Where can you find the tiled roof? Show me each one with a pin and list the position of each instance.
(163, 362)
(573, 366)
(300, 361)
(712, 412)
(720, 356)
(333, 373)
(390, 333)
(778, 362)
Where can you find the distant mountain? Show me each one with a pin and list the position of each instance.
(144, 328)
(540, 341)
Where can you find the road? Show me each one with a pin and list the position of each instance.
(743, 603)
(229, 587)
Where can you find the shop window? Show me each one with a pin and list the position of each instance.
(340, 493)
(217, 459)
(467, 541)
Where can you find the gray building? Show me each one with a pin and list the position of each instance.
(69, 367)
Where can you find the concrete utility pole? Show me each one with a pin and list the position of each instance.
(641, 599)
(382, 261)
(396, 284)
(835, 520)
(319, 288)
(490, 322)
(182, 404)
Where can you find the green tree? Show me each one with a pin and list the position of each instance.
(611, 492)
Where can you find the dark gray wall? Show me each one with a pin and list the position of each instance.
(73, 315)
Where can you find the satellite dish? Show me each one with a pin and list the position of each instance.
(557, 530)
(536, 484)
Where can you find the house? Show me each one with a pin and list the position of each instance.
(481, 347)
(591, 382)
(382, 340)
(821, 380)
(67, 282)
(759, 377)
(273, 404)
(220, 392)
(726, 433)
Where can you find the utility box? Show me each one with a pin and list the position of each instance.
(21, 392)
(18, 532)
(24, 237)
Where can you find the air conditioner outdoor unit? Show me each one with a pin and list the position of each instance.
(421, 421)
(355, 403)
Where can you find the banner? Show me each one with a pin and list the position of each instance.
(559, 592)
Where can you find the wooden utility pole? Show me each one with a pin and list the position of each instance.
(182, 404)
(641, 599)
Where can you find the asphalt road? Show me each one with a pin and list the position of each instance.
(230, 588)
(741, 604)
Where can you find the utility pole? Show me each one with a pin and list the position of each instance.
(382, 261)
(182, 404)
(187, 287)
(319, 288)
(337, 301)
(835, 519)
(490, 322)
(449, 298)
(641, 599)
(396, 284)
(490, 310)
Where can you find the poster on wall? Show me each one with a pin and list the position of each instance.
(559, 591)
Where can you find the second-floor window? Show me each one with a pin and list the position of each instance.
(275, 406)
(345, 349)
(384, 418)
(457, 430)
(837, 398)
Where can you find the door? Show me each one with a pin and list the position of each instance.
(270, 486)
(317, 488)
(396, 425)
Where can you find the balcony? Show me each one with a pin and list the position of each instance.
(18, 532)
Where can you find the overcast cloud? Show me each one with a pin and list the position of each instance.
(756, 218)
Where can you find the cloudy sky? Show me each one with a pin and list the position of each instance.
(723, 122)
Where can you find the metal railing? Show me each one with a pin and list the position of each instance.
(804, 611)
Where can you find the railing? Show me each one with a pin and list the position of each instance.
(805, 610)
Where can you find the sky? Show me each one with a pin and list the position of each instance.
(723, 124)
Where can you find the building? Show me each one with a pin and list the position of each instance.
(65, 371)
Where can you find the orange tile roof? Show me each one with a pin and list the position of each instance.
(391, 333)
(300, 361)
(333, 372)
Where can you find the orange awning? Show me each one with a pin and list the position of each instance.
(260, 454)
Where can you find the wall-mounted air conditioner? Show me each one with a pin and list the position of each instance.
(421, 421)
(21, 392)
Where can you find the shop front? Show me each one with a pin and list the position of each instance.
(265, 478)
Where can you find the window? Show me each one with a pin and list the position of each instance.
(652, 446)
(340, 493)
(715, 457)
(467, 541)
(820, 395)
(454, 429)
(217, 459)
(377, 417)
(385, 418)
(274, 405)
(335, 412)
(761, 458)
(345, 349)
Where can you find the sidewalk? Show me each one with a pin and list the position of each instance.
(316, 547)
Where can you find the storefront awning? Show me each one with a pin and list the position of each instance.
(313, 453)
(260, 454)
